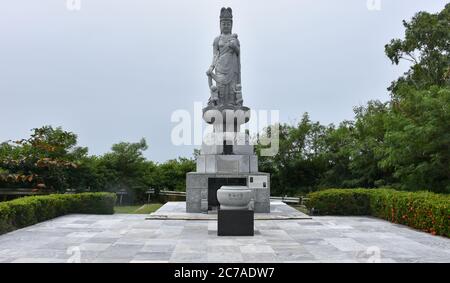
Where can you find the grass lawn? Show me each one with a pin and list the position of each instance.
(301, 208)
(137, 209)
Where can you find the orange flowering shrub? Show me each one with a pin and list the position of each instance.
(425, 211)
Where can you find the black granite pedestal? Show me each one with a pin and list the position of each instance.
(235, 223)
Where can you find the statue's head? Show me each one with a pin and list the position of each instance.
(226, 20)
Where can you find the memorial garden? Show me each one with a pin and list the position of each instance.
(380, 181)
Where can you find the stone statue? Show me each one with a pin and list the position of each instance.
(225, 69)
(226, 152)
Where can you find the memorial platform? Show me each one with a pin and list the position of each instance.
(177, 211)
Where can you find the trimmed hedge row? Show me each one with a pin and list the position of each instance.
(27, 211)
(425, 211)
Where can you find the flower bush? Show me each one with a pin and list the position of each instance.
(425, 211)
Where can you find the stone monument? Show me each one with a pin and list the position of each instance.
(226, 158)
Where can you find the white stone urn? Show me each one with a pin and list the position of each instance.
(234, 197)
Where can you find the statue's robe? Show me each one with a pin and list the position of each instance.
(227, 68)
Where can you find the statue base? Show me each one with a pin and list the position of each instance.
(235, 223)
(221, 164)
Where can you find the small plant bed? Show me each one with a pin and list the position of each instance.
(137, 209)
(301, 208)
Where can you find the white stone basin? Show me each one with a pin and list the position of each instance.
(234, 197)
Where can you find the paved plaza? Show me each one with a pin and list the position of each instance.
(133, 238)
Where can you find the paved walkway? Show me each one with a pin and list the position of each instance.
(131, 238)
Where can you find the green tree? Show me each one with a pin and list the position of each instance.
(338, 145)
(45, 160)
(298, 165)
(426, 45)
(367, 151)
(172, 174)
(126, 162)
(417, 143)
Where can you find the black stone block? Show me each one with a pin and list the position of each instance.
(235, 223)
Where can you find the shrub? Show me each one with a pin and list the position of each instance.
(425, 211)
(27, 211)
(329, 202)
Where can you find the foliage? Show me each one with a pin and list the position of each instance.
(124, 168)
(299, 162)
(417, 140)
(42, 161)
(426, 45)
(172, 174)
(50, 159)
(402, 143)
(27, 211)
(426, 211)
(340, 202)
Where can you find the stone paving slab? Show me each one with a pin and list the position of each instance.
(131, 238)
(177, 211)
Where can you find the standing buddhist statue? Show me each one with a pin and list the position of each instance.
(225, 69)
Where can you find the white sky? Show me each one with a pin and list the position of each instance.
(116, 69)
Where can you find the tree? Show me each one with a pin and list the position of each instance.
(298, 165)
(126, 163)
(172, 174)
(427, 46)
(45, 160)
(338, 145)
(417, 143)
(367, 151)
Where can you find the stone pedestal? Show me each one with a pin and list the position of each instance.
(235, 223)
(226, 159)
(234, 164)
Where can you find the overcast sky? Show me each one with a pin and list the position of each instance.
(116, 69)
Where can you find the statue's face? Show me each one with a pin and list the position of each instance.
(226, 26)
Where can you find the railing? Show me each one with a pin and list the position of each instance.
(20, 192)
(24, 191)
(285, 199)
(167, 193)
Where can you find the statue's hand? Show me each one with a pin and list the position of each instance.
(209, 72)
(232, 44)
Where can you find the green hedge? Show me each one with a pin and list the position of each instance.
(425, 211)
(27, 211)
